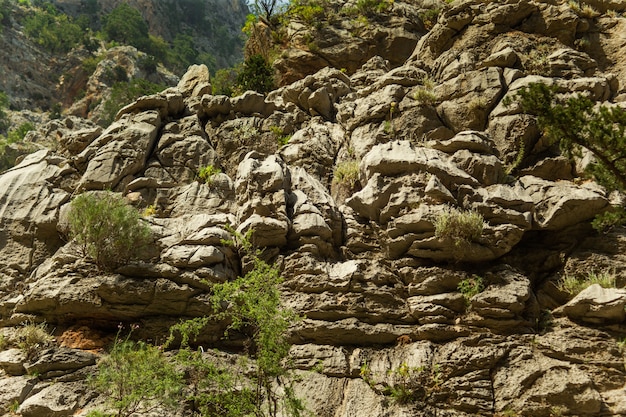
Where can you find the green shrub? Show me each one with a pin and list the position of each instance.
(347, 173)
(252, 306)
(206, 174)
(462, 226)
(4, 118)
(107, 229)
(414, 384)
(138, 378)
(572, 285)
(257, 74)
(56, 32)
(126, 25)
(471, 286)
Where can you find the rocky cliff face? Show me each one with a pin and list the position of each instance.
(377, 287)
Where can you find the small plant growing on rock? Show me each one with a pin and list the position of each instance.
(206, 174)
(347, 173)
(281, 138)
(424, 96)
(413, 384)
(572, 285)
(462, 226)
(471, 286)
(32, 337)
(106, 229)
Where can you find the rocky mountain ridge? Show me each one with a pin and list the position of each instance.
(362, 262)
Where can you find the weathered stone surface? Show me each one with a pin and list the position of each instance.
(12, 361)
(596, 305)
(467, 108)
(535, 383)
(55, 400)
(30, 200)
(195, 82)
(121, 151)
(59, 361)
(14, 389)
(327, 360)
(562, 204)
(261, 188)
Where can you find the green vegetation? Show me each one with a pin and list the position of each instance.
(123, 93)
(33, 337)
(251, 304)
(370, 7)
(254, 309)
(471, 286)
(429, 17)
(281, 138)
(462, 226)
(572, 285)
(414, 384)
(206, 174)
(54, 31)
(347, 173)
(257, 75)
(576, 123)
(126, 25)
(107, 229)
(138, 378)
(4, 118)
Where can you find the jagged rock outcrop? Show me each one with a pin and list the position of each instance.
(476, 325)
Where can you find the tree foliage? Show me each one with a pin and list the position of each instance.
(56, 32)
(107, 229)
(252, 306)
(138, 378)
(257, 75)
(126, 25)
(576, 123)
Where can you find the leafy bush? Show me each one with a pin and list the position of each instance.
(257, 75)
(572, 285)
(107, 229)
(252, 306)
(53, 31)
(4, 118)
(138, 378)
(414, 384)
(373, 6)
(126, 25)
(462, 226)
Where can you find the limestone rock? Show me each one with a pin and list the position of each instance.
(547, 383)
(468, 108)
(12, 361)
(59, 361)
(596, 305)
(195, 82)
(14, 389)
(30, 200)
(261, 188)
(562, 204)
(55, 400)
(120, 152)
